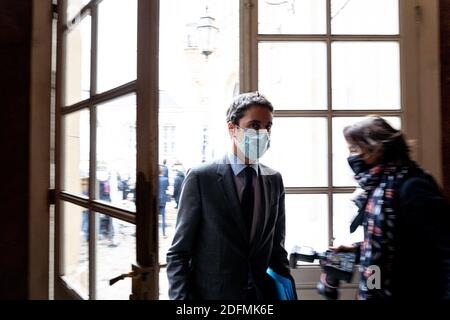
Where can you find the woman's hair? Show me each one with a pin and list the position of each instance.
(376, 136)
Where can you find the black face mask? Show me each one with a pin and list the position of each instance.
(357, 164)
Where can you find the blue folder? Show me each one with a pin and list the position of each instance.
(284, 286)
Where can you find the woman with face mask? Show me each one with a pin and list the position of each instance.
(406, 218)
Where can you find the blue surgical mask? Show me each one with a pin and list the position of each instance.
(254, 143)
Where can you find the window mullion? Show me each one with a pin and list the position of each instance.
(93, 155)
(248, 45)
(330, 125)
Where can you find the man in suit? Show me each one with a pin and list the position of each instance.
(231, 219)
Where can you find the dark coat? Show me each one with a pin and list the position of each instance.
(421, 268)
(211, 257)
(163, 185)
(177, 185)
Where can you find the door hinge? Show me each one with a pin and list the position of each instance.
(248, 5)
(55, 11)
(418, 10)
(52, 196)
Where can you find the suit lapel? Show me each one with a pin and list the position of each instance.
(228, 187)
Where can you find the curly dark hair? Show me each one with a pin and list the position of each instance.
(243, 102)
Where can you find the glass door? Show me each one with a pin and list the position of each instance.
(103, 169)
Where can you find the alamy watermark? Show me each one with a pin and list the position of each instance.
(374, 279)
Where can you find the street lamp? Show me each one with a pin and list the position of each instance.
(207, 32)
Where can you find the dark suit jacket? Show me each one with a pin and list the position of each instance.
(211, 255)
(422, 257)
(421, 265)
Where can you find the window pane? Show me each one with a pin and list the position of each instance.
(78, 63)
(75, 258)
(306, 221)
(293, 75)
(116, 253)
(74, 7)
(342, 174)
(117, 43)
(116, 152)
(298, 149)
(366, 75)
(292, 17)
(196, 85)
(193, 103)
(365, 17)
(76, 153)
(344, 211)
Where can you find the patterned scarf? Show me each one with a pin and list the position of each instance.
(377, 215)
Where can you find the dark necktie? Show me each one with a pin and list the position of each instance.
(248, 198)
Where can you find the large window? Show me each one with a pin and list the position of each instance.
(199, 74)
(318, 61)
(324, 64)
(133, 89)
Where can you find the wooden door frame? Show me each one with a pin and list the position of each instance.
(39, 159)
